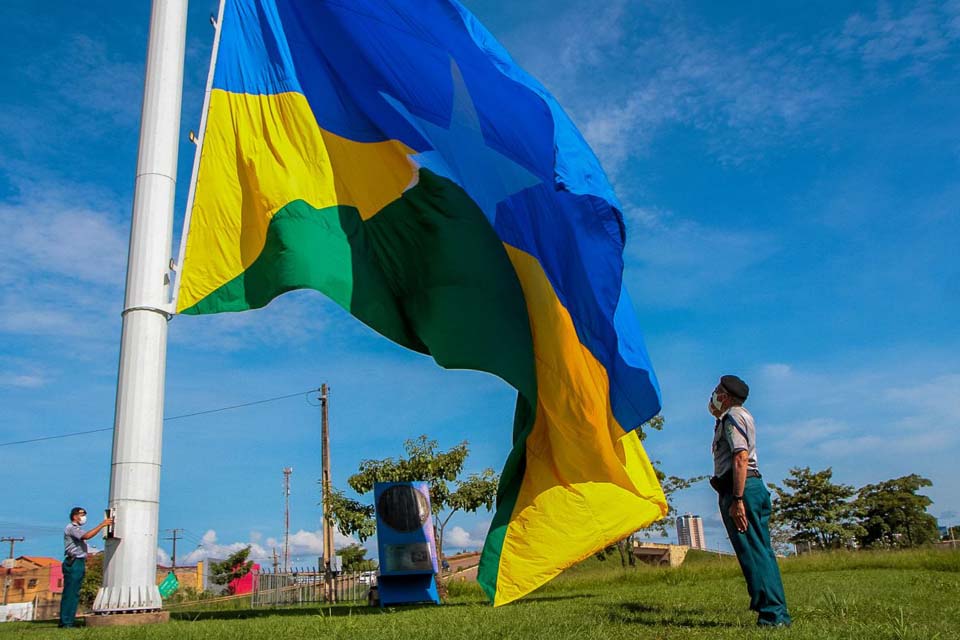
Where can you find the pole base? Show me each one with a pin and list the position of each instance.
(127, 599)
(127, 619)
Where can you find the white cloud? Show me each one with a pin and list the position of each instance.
(840, 409)
(938, 398)
(457, 538)
(86, 72)
(746, 91)
(777, 370)
(61, 229)
(917, 37)
(304, 545)
(292, 319)
(163, 558)
(746, 98)
(580, 42)
(673, 261)
(211, 548)
(62, 262)
(23, 381)
(310, 543)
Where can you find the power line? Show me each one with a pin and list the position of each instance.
(30, 528)
(191, 537)
(180, 417)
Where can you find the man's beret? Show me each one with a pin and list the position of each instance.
(735, 387)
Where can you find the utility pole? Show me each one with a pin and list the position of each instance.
(174, 536)
(325, 476)
(286, 517)
(12, 542)
(275, 560)
(6, 580)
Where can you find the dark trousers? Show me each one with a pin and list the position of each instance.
(755, 553)
(73, 572)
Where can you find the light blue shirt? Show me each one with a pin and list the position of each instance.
(735, 431)
(74, 546)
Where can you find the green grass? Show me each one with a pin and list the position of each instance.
(866, 595)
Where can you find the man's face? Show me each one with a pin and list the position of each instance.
(723, 398)
(78, 515)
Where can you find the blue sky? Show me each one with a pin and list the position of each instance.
(790, 174)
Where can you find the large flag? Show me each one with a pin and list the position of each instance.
(391, 154)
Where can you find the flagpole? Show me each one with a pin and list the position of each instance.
(129, 574)
(185, 232)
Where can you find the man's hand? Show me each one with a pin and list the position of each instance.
(739, 515)
(106, 523)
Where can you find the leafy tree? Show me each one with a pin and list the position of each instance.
(781, 535)
(893, 514)
(478, 490)
(351, 516)
(423, 462)
(670, 484)
(355, 558)
(92, 579)
(815, 510)
(234, 567)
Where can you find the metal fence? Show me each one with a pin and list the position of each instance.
(304, 586)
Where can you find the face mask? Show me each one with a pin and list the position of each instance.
(715, 401)
(83, 519)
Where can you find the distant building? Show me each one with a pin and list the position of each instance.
(690, 531)
(33, 577)
(187, 576)
(659, 554)
(36, 580)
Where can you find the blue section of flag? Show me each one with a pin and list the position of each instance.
(375, 70)
(254, 56)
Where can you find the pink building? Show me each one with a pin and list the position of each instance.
(244, 585)
(42, 565)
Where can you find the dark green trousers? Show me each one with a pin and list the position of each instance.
(755, 553)
(72, 579)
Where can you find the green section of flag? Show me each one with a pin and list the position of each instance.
(429, 272)
(510, 481)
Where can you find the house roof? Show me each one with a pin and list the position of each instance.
(41, 561)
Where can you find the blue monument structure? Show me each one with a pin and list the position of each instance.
(405, 539)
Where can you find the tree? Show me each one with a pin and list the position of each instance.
(893, 514)
(233, 568)
(355, 558)
(817, 511)
(670, 485)
(423, 462)
(92, 579)
(781, 535)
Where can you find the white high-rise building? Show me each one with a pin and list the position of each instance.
(690, 531)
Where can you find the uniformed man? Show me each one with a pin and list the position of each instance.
(744, 500)
(75, 562)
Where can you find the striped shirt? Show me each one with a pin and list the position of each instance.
(734, 432)
(74, 546)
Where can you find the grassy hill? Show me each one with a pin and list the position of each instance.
(864, 595)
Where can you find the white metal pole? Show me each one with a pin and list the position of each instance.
(178, 280)
(129, 576)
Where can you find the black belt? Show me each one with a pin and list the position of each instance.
(753, 474)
